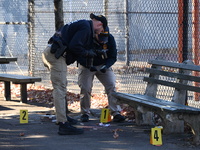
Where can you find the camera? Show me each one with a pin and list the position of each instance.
(99, 52)
(102, 53)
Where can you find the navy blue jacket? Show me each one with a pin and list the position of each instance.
(98, 60)
(78, 36)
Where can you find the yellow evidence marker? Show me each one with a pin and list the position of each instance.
(23, 116)
(105, 115)
(156, 136)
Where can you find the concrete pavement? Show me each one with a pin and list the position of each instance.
(41, 133)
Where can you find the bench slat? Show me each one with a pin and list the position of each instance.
(155, 102)
(173, 75)
(7, 60)
(175, 65)
(172, 84)
(19, 78)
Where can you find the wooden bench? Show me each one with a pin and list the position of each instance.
(174, 113)
(17, 79)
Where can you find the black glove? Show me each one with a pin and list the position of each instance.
(103, 69)
(90, 53)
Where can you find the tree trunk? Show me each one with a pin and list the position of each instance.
(58, 11)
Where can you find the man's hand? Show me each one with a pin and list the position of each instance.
(103, 69)
(90, 53)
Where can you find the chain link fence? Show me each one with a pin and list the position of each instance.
(142, 29)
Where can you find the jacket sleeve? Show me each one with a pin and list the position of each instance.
(112, 52)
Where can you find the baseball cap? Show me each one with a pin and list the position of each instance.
(100, 18)
(103, 36)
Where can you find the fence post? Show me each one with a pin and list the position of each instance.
(185, 29)
(127, 50)
(195, 40)
(182, 30)
(31, 36)
(105, 3)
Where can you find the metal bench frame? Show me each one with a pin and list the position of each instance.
(17, 79)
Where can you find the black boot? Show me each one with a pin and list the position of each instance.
(118, 118)
(84, 118)
(71, 120)
(67, 129)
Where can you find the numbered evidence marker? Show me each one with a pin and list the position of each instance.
(105, 115)
(23, 116)
(156, 136)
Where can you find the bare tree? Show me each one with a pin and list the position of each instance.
(58, 11)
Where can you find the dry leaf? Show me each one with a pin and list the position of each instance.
(43, 95)
(116, 135)
(21, 134)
